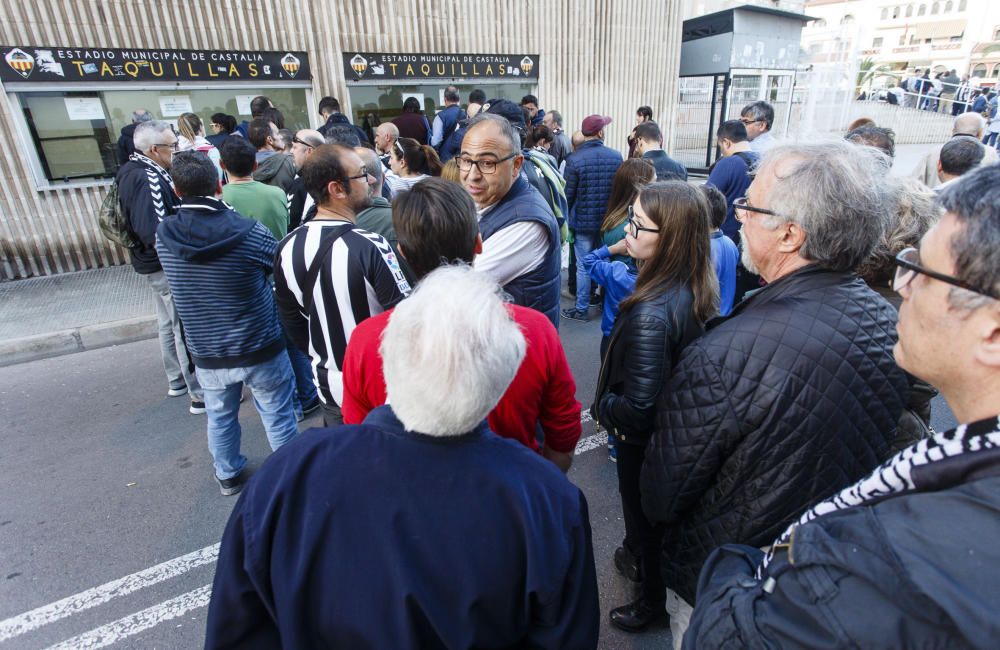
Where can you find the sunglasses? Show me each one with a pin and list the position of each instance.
(295, 139)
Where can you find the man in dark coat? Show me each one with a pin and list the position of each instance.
(125, 145)
(329, 110)
(796, 395)
(906, 557)
(419, 528)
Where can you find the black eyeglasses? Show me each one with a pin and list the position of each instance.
(484, 165)
(363, 173)
(908, 266)
(174, 146)
(746, 121)
(741, 204)
(295, 139)
(634, 227)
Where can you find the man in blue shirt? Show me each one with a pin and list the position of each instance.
(731, 173)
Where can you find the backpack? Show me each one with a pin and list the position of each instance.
(112, 220)
(548, 177)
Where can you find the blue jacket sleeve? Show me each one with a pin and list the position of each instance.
(572, 182)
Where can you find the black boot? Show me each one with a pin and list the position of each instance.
(627, 564)
(638, 615)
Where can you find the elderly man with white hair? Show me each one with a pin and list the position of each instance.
(420, 527)
(794, 396)
(967, 125)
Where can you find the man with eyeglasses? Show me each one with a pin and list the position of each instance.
(300, 204)
(520, 233)
(907, 556)
(794, 396)
(758, 118)
(329, 274)
(146, 194)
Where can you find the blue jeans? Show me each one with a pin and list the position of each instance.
(273, 387)
(583, 244)
(991, 139)
(305, 387)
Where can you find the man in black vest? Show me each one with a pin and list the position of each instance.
(447, 120)
(520, 233)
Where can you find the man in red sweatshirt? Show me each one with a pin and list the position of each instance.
(435, 224)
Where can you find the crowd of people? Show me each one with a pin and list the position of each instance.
(771, 342)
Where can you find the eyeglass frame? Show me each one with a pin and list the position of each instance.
(742, 203)
(909, 270)
(633, 226)
(749, 122)
(295, 140)
(174, 146)
(478, 162)
(364, 174)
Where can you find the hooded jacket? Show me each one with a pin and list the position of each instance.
(277, 169)
(340, 118)
(217, 263)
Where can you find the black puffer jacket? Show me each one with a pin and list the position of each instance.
(646, 342)
(792, 398)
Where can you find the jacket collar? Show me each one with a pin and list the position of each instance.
(812, 275)
(149, 162)
(384, 419)
(205, 204)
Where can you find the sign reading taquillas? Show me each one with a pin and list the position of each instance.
(372, 66)
(75, 64)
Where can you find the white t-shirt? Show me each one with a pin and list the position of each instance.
(512, 251)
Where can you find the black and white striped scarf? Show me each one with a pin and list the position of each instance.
(896, 475)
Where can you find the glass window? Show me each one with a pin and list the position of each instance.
(877, 42)
(996, 70)
(935, 8)
(885, 13)
(895, 12)
(922, 10)
(948, 6)
(847, 20)
(83, 144)
(909, 10)
(961, 5)
(979, 71)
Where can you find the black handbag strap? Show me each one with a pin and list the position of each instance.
(312, 275)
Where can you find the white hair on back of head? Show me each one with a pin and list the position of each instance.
(148, 134)
(449, 352)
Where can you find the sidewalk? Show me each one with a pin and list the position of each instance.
(61, 314)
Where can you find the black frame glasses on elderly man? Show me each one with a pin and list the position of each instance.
(362, 173)
(634, 227)
(295, 140)
(908, 266)
(747, 121)
(741, 204)
(174, 146)
(484, 165)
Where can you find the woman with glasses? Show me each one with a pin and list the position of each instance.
(676, 291)
(409, 163)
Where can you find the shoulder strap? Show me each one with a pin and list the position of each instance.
(748, 159)
(312, 275)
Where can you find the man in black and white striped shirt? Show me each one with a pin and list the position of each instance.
(355, 277)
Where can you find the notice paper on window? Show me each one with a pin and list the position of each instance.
(175, 105)
(84, 108)
(243, 103)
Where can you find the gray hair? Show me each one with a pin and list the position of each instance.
(974, 199)
(506, 128)
(760, 112)
(556, 117)
(141, 115)
(915, 212)
(456, 329)
(150, 133)
(835, 191)
(961, 155)
(372, 165)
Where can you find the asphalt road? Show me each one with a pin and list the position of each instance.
(110, 514)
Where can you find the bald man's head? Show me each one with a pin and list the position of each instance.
(306, 140)
(386, 135)
(577, 139)
(969, 124)
(374, 167)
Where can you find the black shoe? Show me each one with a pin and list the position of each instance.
(230, 486)
(198, 406)
(627, 564)
(596, 300)
(312, 407)
(638, 615)
(573, 314)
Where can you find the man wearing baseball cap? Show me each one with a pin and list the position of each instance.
(590, 172)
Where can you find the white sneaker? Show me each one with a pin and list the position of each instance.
(177, 392)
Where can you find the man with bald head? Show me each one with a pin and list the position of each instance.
(386, 135)
(330, 274)
(966, 125)
(520, 233)
(377, 217)
(299, 201)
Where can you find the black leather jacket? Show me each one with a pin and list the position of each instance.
(645, 344)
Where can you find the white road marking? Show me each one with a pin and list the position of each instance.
(18, 625)
(133, 624)
(113, 632)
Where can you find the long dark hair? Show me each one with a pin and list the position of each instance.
(683, 250)
(419, 158)
(632, 176)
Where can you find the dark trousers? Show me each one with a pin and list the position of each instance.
(332, 415)
(643, 539)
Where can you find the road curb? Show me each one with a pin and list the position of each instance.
(77, 339)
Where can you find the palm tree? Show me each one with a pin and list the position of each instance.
(867, 72)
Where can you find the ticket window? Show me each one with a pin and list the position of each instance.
(75, 133)
(373, 105)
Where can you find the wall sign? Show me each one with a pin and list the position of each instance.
(376, 66)
(75, 64)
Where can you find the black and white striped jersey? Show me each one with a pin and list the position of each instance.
(360, 277)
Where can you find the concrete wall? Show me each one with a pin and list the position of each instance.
(607, 56)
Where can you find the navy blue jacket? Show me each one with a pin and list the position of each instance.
(340, 118)
(453, 143)
(590, 172)
(731, 176)
(370, 536)
(916, 570)
(217, 263)
(147, 197)
(667, 169)
(539, 288)
(450, 117)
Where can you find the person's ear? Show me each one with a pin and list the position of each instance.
(793, 237)
(478, 247)
(518, 162)
(336, 190)
(399, 249)
(987, 330)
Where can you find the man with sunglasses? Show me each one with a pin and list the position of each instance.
(907, 556)
(329, 274)
(795, 395)
(146, 194)
(300, 204)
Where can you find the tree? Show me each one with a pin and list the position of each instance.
(867, 72)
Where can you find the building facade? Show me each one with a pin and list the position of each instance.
(74, 70)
